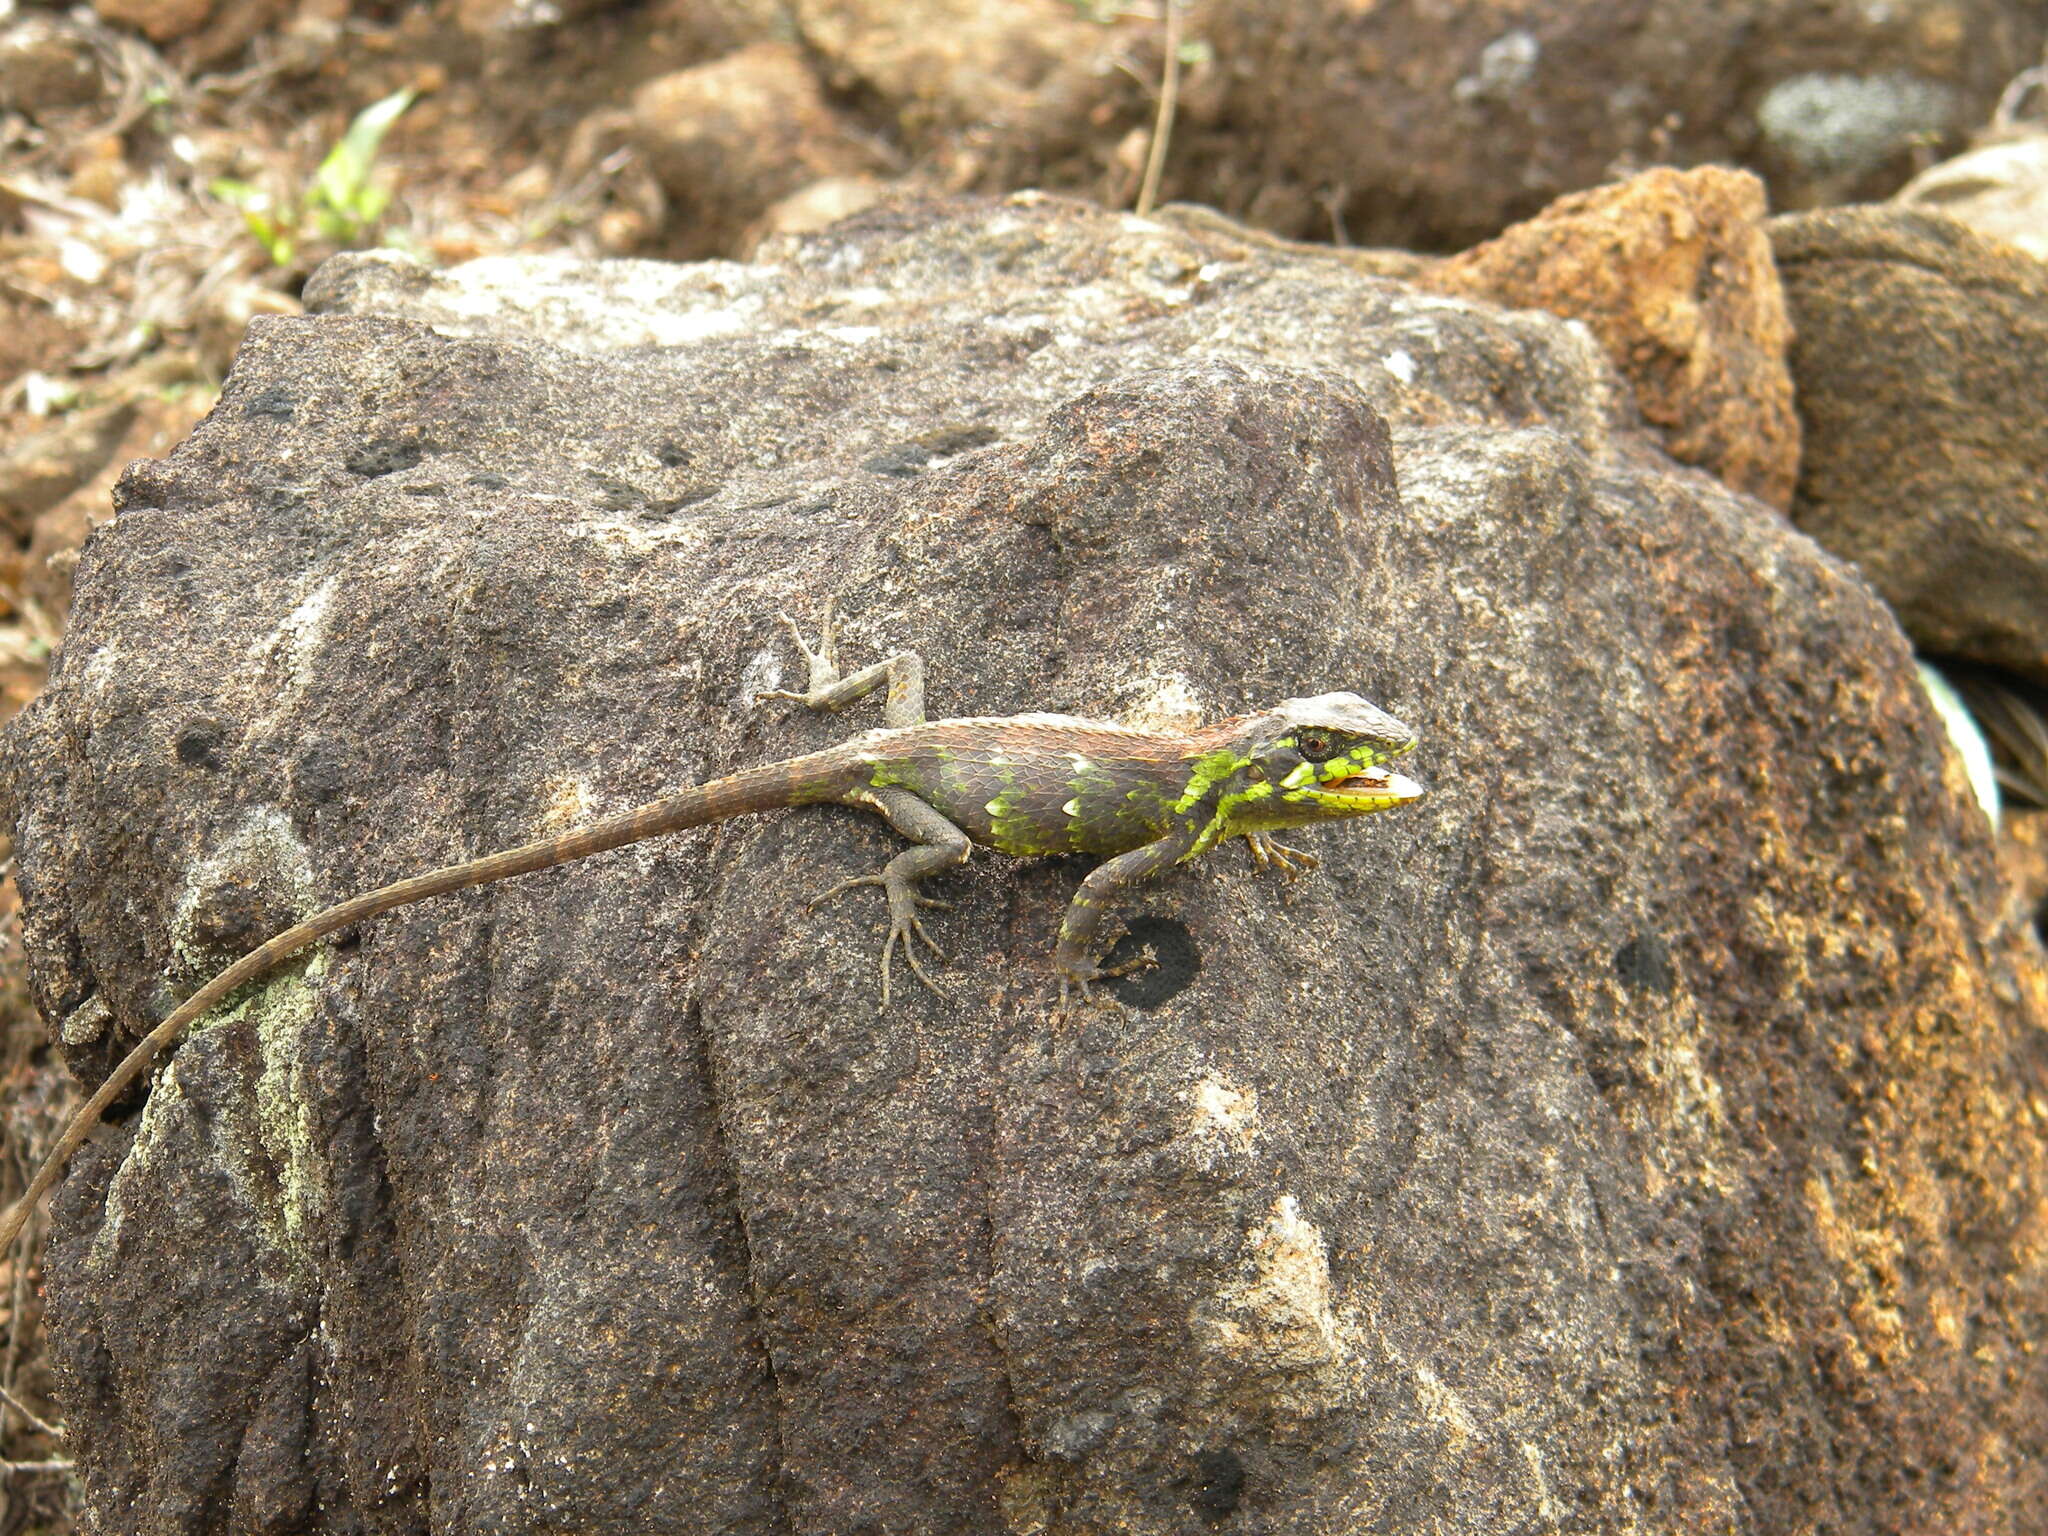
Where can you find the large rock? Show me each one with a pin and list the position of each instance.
(1921, 362)
(1641, 1133)
(1437, 125)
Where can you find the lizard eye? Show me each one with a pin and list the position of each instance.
(1255, 773)
(1316, 746)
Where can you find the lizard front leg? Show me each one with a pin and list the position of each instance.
(941, 845)
(1071, 957)
(902, 705)
(1269, 852)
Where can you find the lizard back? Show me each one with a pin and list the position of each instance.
(1036, 784)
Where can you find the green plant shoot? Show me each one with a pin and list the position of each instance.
(343, 201)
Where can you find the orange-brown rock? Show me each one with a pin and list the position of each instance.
(1672, 271)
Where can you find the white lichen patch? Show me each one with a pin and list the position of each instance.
(282, 660)
(1277, 1317)
(137, 1171)
(569, 803)
(265, 849)
(864, 297)
(1547, 1505)
(284, 1120)
(1443, 1404)
(103, 671)
(762, 674)
(87, 1022)
(1169, 703)
(618, 536)
(266, 1146)
(1222, 1120)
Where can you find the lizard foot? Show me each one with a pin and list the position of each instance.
(1145, 959)
(1271, 854)
(1071, 981)
(823, 662)
(905, 925)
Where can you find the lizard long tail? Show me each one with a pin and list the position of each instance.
(759, 789)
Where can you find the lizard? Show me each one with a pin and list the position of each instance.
(1031, 785)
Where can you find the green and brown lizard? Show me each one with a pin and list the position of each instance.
(1030, 785)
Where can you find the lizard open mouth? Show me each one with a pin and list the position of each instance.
(1373, 783)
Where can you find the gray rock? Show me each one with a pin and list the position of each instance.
(1920, 357)
(1639, 1133)
(1999, 187)
(1836, 126)
(1435, 126)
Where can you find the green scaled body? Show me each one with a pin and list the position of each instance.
(1035, 785)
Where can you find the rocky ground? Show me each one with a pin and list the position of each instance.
(1866, 362)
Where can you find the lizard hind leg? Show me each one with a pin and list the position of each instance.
(828, 691)
(941, 845)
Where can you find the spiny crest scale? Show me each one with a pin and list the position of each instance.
(1345, 712)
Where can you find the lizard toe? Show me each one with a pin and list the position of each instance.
(844, 886)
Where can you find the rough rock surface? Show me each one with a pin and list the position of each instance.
(1672, 270)
(1921, 363)
(1999, 187)
(1438, 125)
(1644, 1132)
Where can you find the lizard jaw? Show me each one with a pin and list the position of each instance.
(1379, 784)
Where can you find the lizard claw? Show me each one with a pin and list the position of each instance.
(906, 928)
(825, 636)
(1077, 981)
(823, 662)
(844, 886)
(902, 936)
(1270, 853)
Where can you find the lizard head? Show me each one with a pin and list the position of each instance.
(1314, 759)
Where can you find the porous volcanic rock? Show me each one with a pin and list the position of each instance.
(1921, 363)
(1642, 1132)
(1672, 270)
